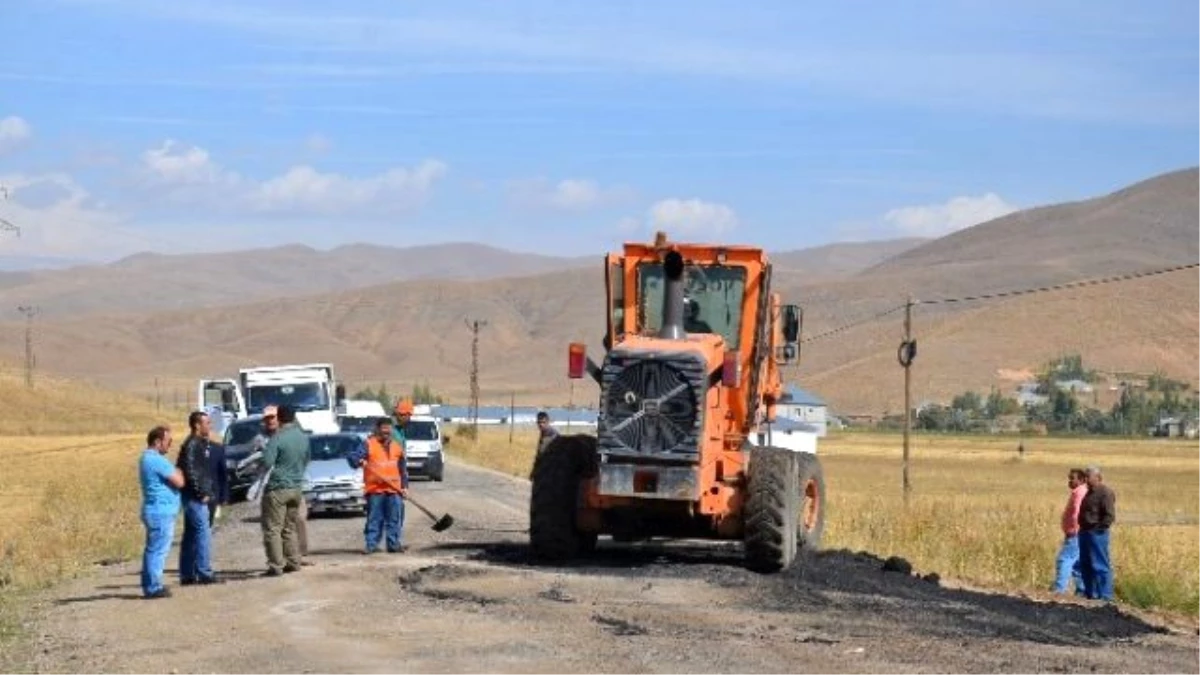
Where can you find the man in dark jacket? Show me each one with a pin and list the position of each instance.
(1096, 515)
(195, 561)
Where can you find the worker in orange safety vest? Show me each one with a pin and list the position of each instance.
(385, 483)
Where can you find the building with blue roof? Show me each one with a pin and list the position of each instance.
(805, 407)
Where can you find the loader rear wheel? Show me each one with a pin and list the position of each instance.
(555, 498)
(772, 509)
(811, 520)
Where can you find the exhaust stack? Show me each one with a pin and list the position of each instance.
(672, 324)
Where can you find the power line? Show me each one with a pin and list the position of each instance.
(852, 324)
(1004, 294)
(1060, 287)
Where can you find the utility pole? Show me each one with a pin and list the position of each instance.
(475, 325)
(157, 397)
(905, 355)
(29, 311)
(512, 415)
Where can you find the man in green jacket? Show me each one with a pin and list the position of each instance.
(286, 456)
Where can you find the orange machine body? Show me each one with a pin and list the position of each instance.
(741, 360)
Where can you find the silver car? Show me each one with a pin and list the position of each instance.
(331, 484)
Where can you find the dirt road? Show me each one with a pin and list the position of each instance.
(468, 600)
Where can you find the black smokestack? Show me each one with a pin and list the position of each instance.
(672, 325)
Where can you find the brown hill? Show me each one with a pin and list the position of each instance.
(151, 281)
(408, 332)
(841, 260)
(155, 281)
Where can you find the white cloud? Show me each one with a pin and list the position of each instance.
(303, 188)
(176, 164)
(935, 220)
(58, 217)
(14, 132)
(691, 217)
(188, 174)
(569, 194)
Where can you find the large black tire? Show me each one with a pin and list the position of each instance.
(811, 520)
(555, 498)
(772, 510)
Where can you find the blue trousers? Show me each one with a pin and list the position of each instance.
(1067, 567)
(160, 530)
(1095, 565)
(385, 515)
(195, 556)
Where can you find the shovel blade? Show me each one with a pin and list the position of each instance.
(443, 523)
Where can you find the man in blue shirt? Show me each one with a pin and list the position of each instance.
(160, 504)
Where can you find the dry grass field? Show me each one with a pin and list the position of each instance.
(68, 491)
(979, 515)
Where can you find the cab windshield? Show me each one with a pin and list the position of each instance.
(302, 397)
(420, 430)
(713, 299)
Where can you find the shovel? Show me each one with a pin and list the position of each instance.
(439, 524)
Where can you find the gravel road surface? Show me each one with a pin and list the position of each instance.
(468, 599)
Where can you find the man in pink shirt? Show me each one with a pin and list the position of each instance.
(1067, 565)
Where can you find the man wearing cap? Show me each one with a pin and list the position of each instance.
(1096, 515)
(286, 456)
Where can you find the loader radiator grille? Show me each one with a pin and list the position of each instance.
(651, 403)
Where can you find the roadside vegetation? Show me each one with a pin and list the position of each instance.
(68, 491)
(979, 513)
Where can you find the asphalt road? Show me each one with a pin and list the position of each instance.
(468, 599)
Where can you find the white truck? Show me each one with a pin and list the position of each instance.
(309, 389)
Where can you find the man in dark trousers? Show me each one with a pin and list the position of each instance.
(1096, 515)
(195, 551)
(220, 476)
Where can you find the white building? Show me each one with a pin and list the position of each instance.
(803, 406)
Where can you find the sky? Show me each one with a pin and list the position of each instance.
(565, 127)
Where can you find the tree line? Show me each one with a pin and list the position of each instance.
(1137, 410)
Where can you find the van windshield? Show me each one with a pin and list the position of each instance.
(420, 430)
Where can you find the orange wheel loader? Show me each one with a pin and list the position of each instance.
(688, 386)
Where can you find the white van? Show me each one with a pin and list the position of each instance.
(357, 416)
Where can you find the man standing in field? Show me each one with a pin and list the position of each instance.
(195, 551)
(1067, 567)
(385, 478)
(1096, 515)
(546, 432)
(286, 457)
(160, 504)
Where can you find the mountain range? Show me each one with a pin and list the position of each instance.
(398, 315)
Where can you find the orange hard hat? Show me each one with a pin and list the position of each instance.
(404, 407)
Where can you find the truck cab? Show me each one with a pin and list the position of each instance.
(308, 389)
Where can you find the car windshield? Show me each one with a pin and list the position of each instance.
(322, 448)
(714, 299)
(357, 425)
(420, 430)
(242, 432)
(304, 397)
